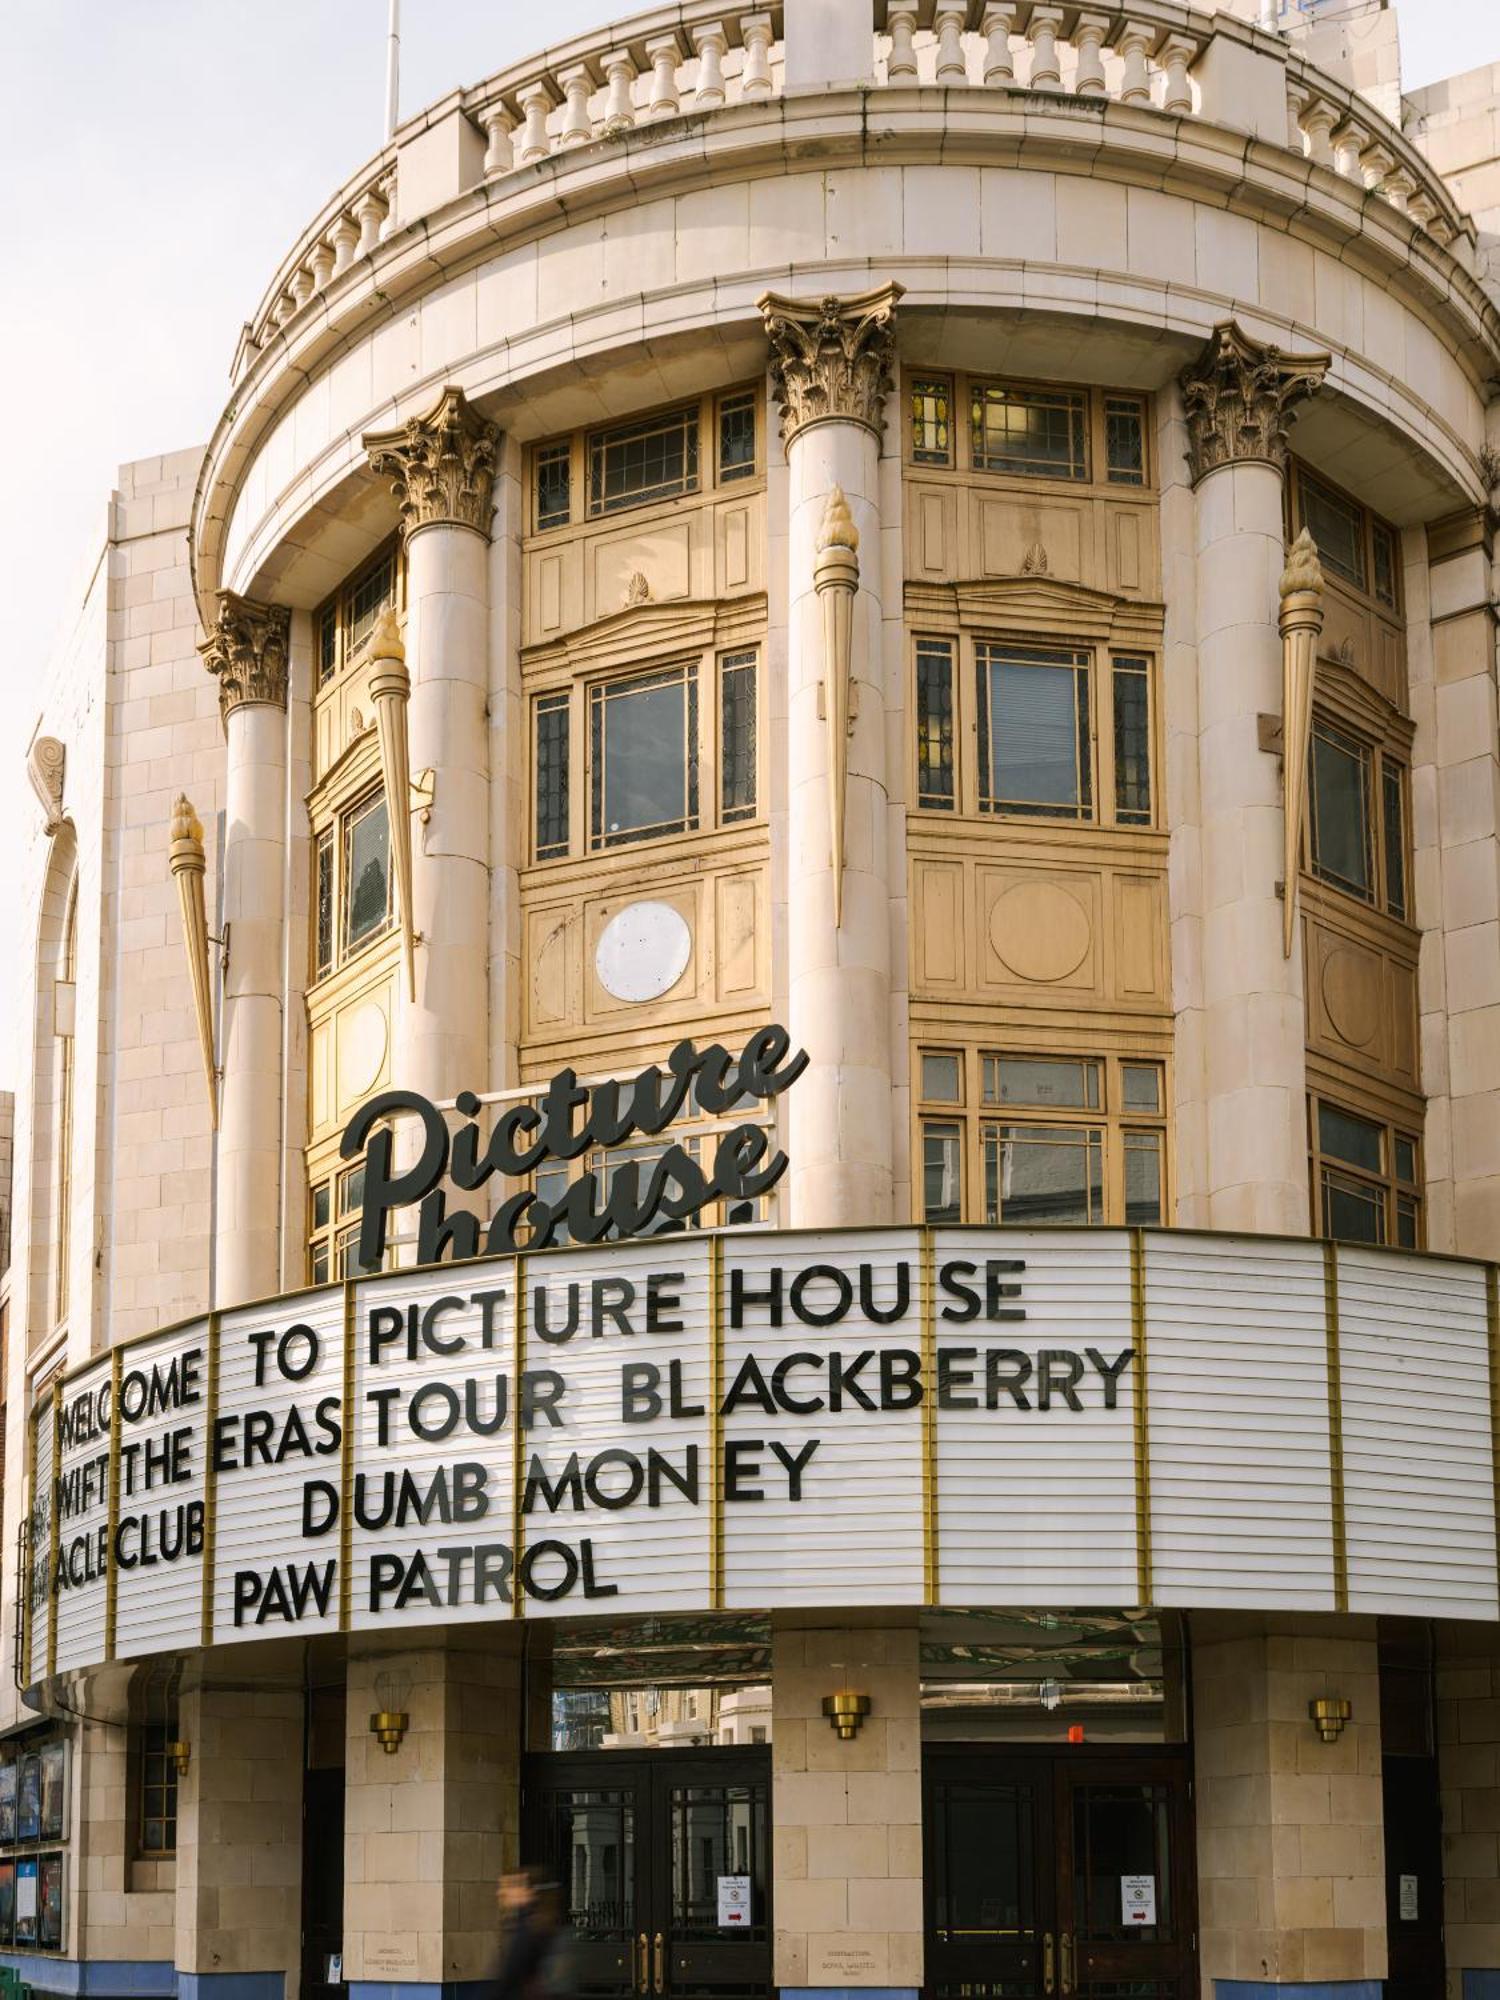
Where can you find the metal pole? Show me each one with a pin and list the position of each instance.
(393, 71)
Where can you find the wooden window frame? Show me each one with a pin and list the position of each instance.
(712, 479)
(335, 614)
(1394, 1190)
(1382, 758)
(335, 832)
(1372, 526)
(962, 387)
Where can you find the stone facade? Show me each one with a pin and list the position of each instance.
(839, 354)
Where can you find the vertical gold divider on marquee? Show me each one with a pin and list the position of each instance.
(1335, 1429)
(1492, 1323)
(927, 1302)
(54, 1554)
(1141, 1413)
(346, 1467)
(517, 1444)
(28, 1578)
(111, 1573)
(210, 1491)
(715, 1422)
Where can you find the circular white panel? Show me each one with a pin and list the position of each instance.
(643, 951)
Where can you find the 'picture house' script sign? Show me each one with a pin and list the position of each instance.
(758, 1419)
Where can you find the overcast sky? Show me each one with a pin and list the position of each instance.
(158, 158)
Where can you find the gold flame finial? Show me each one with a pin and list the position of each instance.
(1303, 570)
(838, 530)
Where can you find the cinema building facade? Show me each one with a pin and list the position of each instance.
(758, 1150)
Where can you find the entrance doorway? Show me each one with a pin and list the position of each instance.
(1058, 1873)
(663, 1859)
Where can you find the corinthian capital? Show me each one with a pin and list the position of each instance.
(1236, 397)
(441, 466)
(831, 357)
(246, 652)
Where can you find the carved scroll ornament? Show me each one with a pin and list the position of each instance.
(46, 762)
(1237, 396)
(831, 357)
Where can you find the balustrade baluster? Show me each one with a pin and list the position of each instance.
(499, 154)
(1088, 40)
(949, 25)
(537, 100)
(712, 44)
(756, 34)
(1042, 32)
(1175, 55)
(665, 53)
(996, 29)
(901, 24)
(1134, 45)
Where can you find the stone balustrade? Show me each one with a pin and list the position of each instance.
(696, 57)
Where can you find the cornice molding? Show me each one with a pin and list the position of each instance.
(246, 652)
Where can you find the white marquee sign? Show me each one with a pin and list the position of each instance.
(761, 1418)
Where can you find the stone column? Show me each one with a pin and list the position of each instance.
(442, 470)
(247, 654)
(1456, 854)
(830, 366)
(1236, 399)
(846, 1816)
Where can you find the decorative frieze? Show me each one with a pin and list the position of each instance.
(441, 466)
(1237, 396)
(831, 357)
(246, 652)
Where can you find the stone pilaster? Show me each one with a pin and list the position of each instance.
(248, 654)
(442, 470)
(831, 372)
(1249, 1032)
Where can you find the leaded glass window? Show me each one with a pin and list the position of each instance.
(931, 420)
(1125, 440)
(935, 774)
(551, 716)
(1132, 700)
(1038, 432)
(1035, 754)
(643, 752)
(737, 737)
(635, 463)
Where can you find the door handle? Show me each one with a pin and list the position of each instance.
(1047, 1962)
(658, 1976)
(1067, 1961)
(642, 1963)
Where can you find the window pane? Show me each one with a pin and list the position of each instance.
(935, 787)
(648, 461)
(1042, 1080)
(325, 902)
(1406, 1222)
(1384, 550)
(1340, 788)
(1354, 1140)
(320, 1203)
(1353, 1212)
(1043, 1173)
(1141, 1086)
(328, 644)
(1395, 839)
(1143, 1177)
(942, 1173)
(737, 747)
(317, 1269)
(1033, 733)
(554, 485)
(1337, 527)
(931, 432)
(1125, 440)
(737, 437)
(1036, 431)
(940, 1077)
(644, 1160)
(352, 1190)
(1132, 690)
(551, 776)
(369, 597)
(367, 872)
(645, 757)
(1406, 1159)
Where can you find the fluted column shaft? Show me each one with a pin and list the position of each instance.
(442, 468)
(830, 362)
(247, 652)
(1253, 1032)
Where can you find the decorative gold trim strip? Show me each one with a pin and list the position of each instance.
(111, 1569)
(1141, 1411)
(517, 1445)
(1335, 1429)
(1492, 1323)
(715, 1423)
(927, 1305)
(28, 1607)
(210, 1487)
(54, 1555)
(346, 1468)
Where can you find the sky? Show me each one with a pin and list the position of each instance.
(158, 159)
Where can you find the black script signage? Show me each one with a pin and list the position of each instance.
(568, 1120)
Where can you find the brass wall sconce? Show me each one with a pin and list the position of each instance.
(390, 1721)
(846, 1712)
(1329, 1715)
(181, 1755)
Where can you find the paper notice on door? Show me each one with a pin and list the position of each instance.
(734, 1902)
(1137, 1900)
(1406, 1902)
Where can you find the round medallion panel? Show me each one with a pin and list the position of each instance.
(364, 1036)
(643, 951)
(1352, 997)
(1039, 932)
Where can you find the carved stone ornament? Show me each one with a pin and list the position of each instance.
(246, 652)
(46, 761)
(441, 466)
(1237, 395)
(637, 590)
(831, 357)
(1034, 562)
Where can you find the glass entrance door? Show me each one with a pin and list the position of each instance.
(1057, 1877)
(664, 1864)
